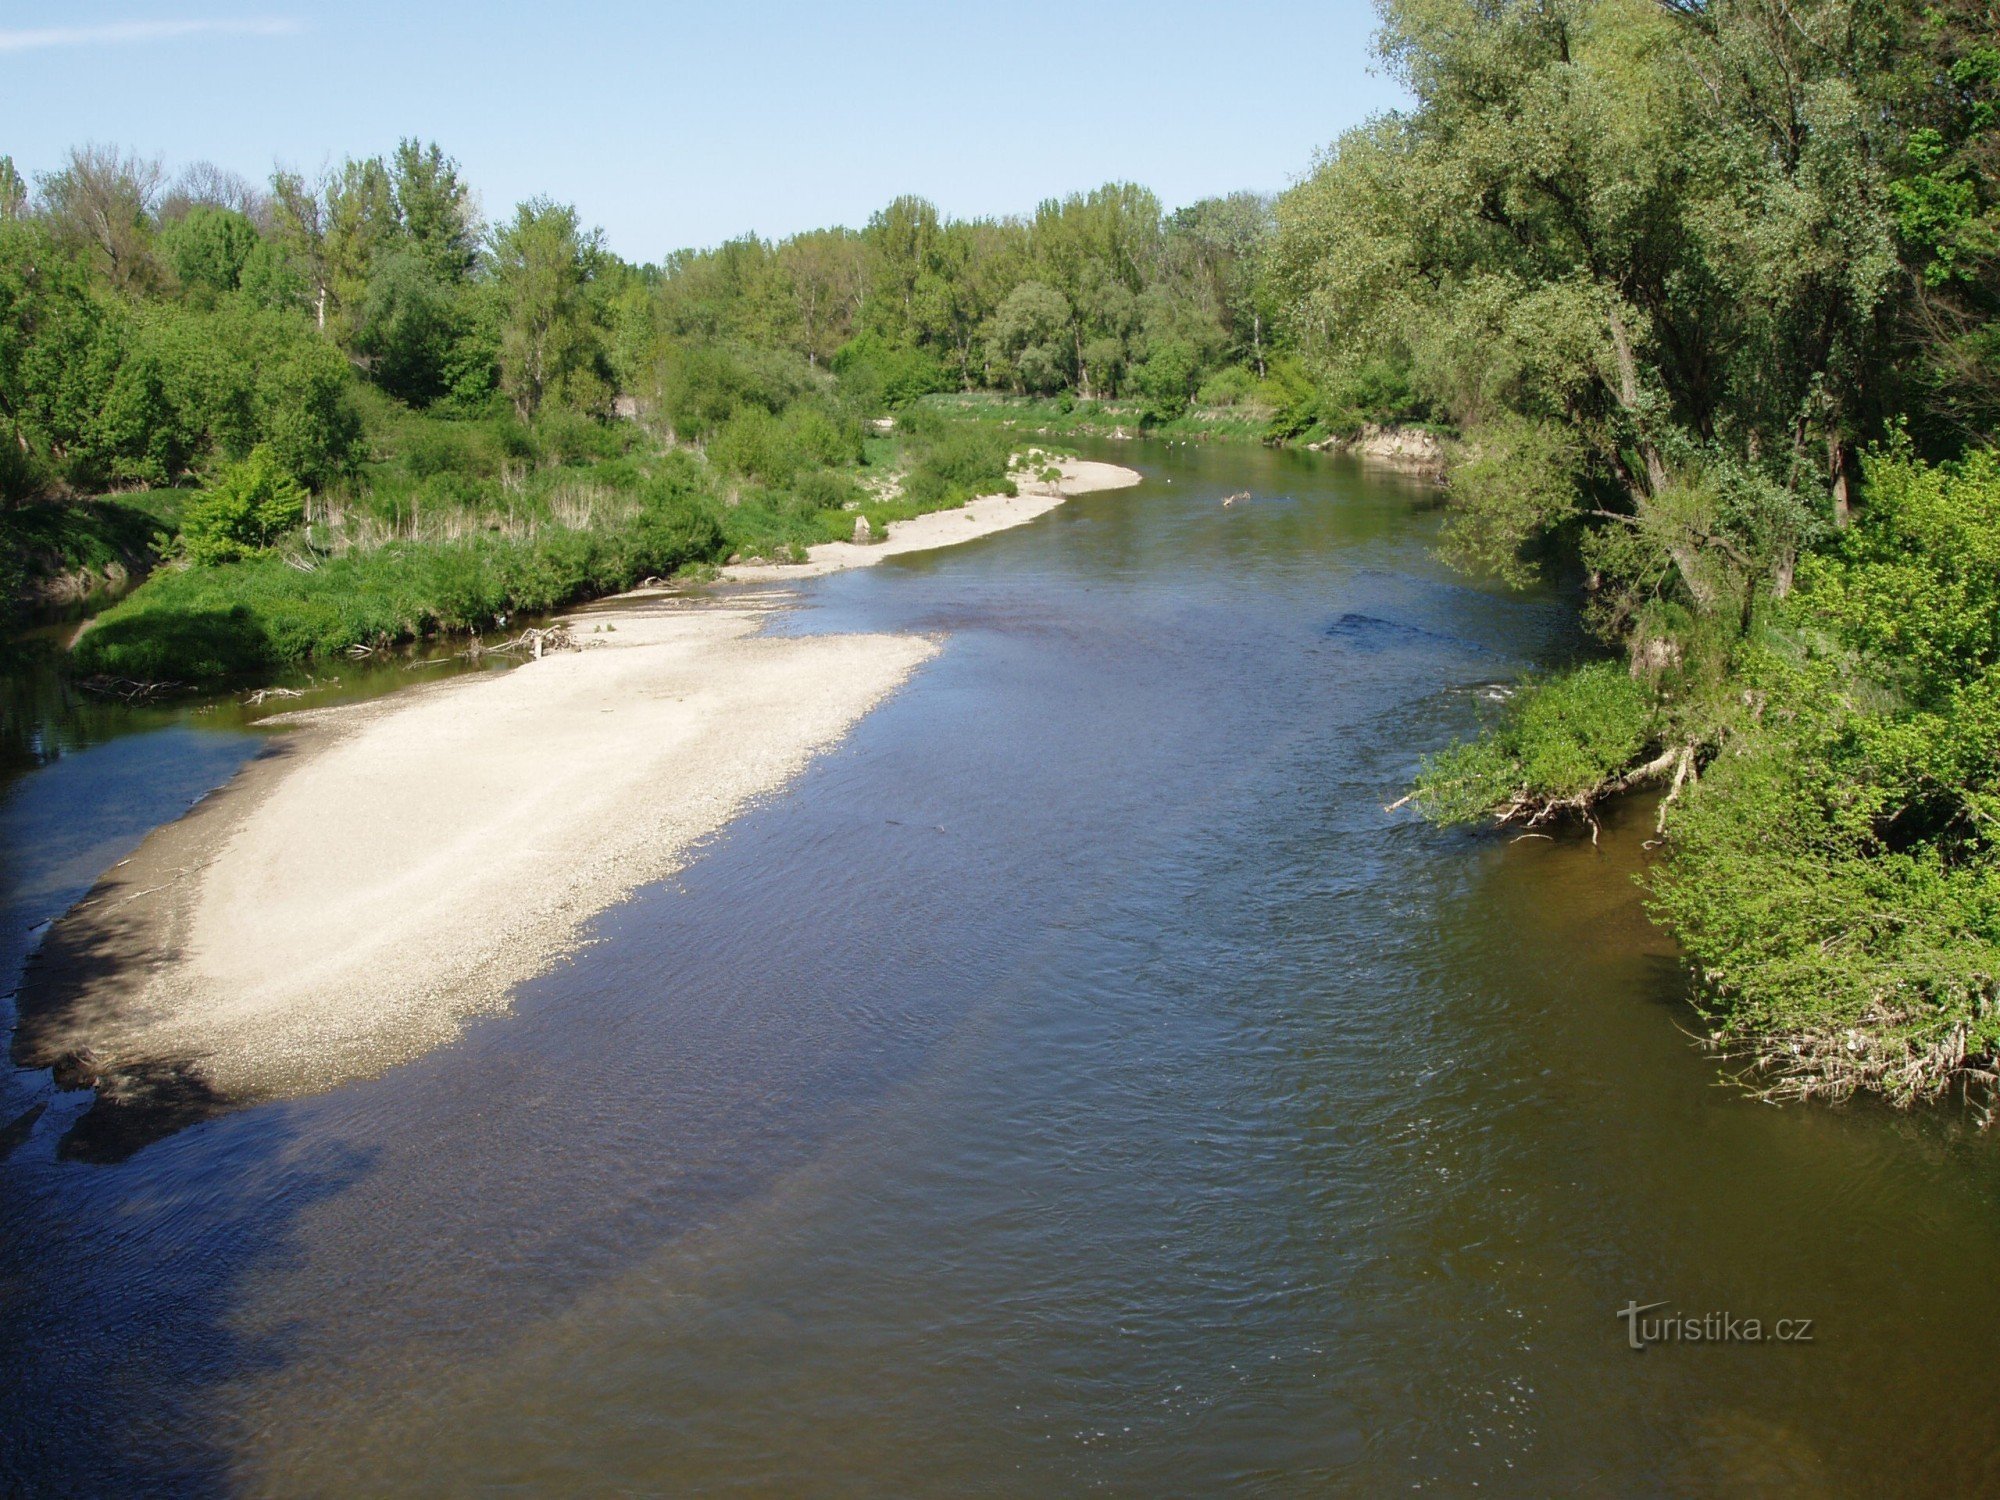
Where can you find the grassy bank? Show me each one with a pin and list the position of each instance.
(267, 613)
(452, 525)
(54, 553)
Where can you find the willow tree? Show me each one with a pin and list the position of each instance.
(1644, 258)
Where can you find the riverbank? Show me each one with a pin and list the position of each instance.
(943, 528)
(1409, 448)
(57, 554)
(385, 871)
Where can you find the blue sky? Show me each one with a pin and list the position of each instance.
(674, 125)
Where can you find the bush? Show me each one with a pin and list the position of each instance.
(1293, 397)
(824, 489)
(875, 373)
(1230, 386)
(1561, 740)
(253, 504)
(703, 386)
(964, 462)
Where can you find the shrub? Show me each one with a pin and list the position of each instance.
(1232, 385)
(1560, 741)
(875, 372)
(251, 505)
(953, 468)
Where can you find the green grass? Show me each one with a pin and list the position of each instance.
(242, 620)
(42, 541)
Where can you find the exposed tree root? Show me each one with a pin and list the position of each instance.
(1881, 1056)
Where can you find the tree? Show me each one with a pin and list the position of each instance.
(1648, 245)
(434, 210)
(103, 200)
(361, 224)
(300, 226)
(828, 273)
(205, 185)
(1099, 250)
(57, 350)
(550, 345)
(407, 328)
(207, 249)
(13, 191)
(1031, 330)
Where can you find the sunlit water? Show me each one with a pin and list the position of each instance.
(1077, 1080)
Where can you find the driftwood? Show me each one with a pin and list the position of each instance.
(535, 642)
(1531, 810)
(1237, 498)
(129, 689)
(273, 692)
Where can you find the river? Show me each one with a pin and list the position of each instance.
(1075, 1081)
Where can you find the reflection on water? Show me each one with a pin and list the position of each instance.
(1077, 1079)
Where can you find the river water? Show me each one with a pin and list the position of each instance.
(1076, 1081)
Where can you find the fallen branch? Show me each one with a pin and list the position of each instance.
(130, 689)
(554, 637)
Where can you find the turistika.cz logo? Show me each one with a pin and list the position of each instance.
(1707, 1328)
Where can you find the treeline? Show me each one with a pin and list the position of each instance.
(1711, 294)
(152, 327)
(149, 330)
(312, 382)
(1101, 294)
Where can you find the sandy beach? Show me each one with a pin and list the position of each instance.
(385, 871)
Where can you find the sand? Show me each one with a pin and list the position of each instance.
(384, 872)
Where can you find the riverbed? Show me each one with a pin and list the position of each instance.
(1075, 1079)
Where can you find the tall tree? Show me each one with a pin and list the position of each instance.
(102, 199)
(551, 349)
(434, 209)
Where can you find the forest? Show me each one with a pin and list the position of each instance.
(1705, 298)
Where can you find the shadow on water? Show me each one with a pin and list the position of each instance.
(117, 1289)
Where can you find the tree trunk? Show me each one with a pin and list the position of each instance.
(1628, 397)
(1836, 462)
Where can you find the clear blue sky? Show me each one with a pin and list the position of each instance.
(674, 125)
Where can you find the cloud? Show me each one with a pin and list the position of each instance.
(119, 33)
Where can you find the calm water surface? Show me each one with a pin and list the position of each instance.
(1076, 1081)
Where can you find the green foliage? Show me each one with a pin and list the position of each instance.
(252, 504)
(249, 617)
(957, 464)
(1560, 742)
(551, 345)
(408, 329)
(877, 373)
(1834, 876)
(1380, 390)
(207, 249)
(1166, 378)
(776, 450)
(703, 385)
(1293, 397)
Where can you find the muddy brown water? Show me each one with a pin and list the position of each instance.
(1076, 1081)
